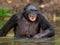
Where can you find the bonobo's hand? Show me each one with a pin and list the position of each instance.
(45, 34)
(38, 36)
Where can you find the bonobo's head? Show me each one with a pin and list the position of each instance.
(31, 12)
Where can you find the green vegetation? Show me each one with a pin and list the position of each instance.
(5, 11)
(57, 41)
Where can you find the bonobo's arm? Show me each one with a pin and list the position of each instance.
(10, 24)
(48, 30)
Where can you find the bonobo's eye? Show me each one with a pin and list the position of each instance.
(30, 16)
(34, 10)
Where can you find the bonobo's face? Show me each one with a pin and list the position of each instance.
(32, 17)
(31, 12)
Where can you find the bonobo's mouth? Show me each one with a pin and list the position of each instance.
(32, 17)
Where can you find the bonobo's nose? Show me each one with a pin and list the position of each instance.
(32, 17)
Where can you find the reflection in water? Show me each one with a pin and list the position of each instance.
(26, 42)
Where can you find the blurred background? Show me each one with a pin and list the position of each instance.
(49, 8)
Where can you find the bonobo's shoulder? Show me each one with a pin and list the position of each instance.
(41, 16)
(17, 15)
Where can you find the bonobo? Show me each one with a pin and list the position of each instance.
(28, 24)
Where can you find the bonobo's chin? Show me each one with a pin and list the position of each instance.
(33, 20)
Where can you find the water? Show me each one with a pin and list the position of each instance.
(10, 41)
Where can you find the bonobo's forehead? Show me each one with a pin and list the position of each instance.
(32, 7)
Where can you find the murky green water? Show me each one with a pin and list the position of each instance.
(10, 41)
